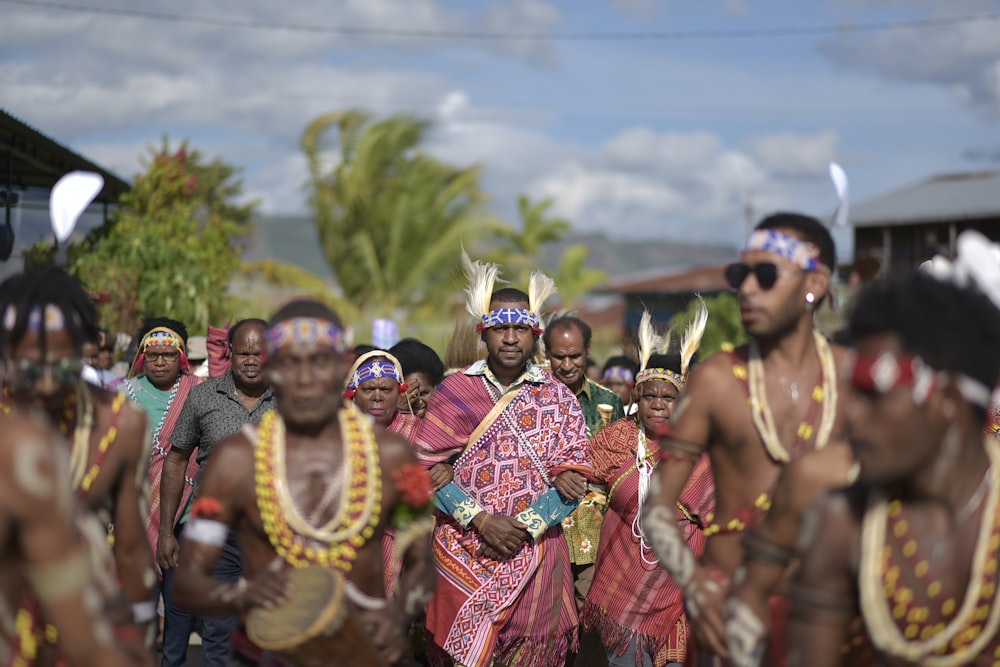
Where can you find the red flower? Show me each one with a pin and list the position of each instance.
(206, 507)
(414, 485)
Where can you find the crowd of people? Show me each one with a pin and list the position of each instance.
(300, 500)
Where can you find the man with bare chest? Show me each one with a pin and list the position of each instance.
(312, 488)
(41, 549)
(786, 378)
(46, 318)
(904, 565)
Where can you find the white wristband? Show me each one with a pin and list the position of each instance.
(143, 612)
(206, 531)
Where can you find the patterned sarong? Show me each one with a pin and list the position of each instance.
(406, 426)
(630, 597)
(159, 455)
(521, 610)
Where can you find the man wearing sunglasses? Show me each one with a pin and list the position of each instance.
(45, 318)
(786, 378)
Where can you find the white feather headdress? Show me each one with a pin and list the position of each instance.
(692, 336)
(482, 276)
(650, 342)
(540, 288)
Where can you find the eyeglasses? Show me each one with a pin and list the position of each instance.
(766, 273)
(64, 371)
(168, 357)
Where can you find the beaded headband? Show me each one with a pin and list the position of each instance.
(502, 316)
(372, 365)
(304, 331)
(51, 315)
(162, 336)
(650, 374)
(886, 371)
(619, 373)
(803, 254)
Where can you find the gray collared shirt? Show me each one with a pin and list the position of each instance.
(212, 412)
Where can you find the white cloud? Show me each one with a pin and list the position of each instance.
(523, 16)
(791, 154)
(963, 58)
(644, 184)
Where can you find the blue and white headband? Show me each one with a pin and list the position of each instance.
(504, 316)
(803, 254)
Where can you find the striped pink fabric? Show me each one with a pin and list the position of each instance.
(630, 597)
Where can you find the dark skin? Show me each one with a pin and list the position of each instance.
(161, 365)
(250, 381)
(379, 398)
(933, 453)
(307, 379)
(799, 483)
(509, 348)
(418, 395)
(568, 357)
(37, 530)
(248, 356)
(117, 494)
(781, 321)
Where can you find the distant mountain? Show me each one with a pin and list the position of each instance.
(293, 239)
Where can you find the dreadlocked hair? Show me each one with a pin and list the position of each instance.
(37, 288)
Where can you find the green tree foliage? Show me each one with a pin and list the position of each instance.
(520, 250)
(391, 220)
(724, 323)
(172, 246)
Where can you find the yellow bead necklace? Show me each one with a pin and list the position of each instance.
(357, 515)
(976, 622)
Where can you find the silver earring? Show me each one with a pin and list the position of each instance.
(810, 297)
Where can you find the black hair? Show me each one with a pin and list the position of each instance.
(509, 295)
(36, 288)
(810, 230)
(953, 329)
(151, 323)
(670, 361)
(231, 335)
(622, 362)
(305, 308)
(417, 357)
(364, 348)
(564, 323)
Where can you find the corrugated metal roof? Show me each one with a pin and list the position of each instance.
(962, 196)
(675, 280)
(39, 161)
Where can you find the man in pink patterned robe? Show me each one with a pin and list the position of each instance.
(505, 592)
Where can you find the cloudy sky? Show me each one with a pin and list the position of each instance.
(642, 118)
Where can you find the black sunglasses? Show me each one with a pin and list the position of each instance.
(766, 273)
(27, 372)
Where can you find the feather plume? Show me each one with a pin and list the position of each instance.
(481, 276)
(692, 336)
(540, 288)
(648, 341)
(664, 342)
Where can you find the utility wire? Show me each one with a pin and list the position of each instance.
(472, 35)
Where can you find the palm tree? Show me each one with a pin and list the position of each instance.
(390, 219)
(520, 251)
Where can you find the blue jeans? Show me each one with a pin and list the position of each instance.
(177, 623)
(629, 659)
(215, 635)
